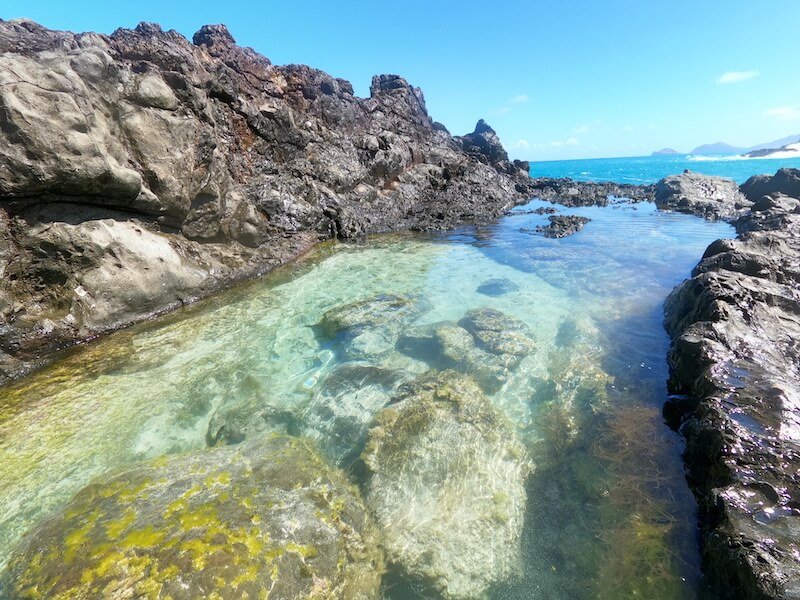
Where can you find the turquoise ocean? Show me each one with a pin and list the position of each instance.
(649, 169)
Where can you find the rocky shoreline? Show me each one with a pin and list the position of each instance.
(141, 171)
(735, 327)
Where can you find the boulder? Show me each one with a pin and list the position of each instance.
(486, 344)
(269, 518)
(702, 195)
(368, 329)
(446, 482)
(785, 181)
(340, 412)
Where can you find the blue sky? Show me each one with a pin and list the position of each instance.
(556, 79)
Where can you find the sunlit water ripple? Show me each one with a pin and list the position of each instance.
(609, 514)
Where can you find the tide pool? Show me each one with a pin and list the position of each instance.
(318, 348)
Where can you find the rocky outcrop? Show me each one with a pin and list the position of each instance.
(586, 193)
(270, 518)
(446, 482)
(561, 226)
(785, 182)
(702, 195)
(735, 327)
(140, 171)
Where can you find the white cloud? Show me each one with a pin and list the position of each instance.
(784, 113)
(520, 145)
(737, 76)
(581, 129)
(629, 129)
(506, 108)
(561, 143)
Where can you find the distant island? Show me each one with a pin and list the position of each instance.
(788, 146)
(664, 152)
(717, 148)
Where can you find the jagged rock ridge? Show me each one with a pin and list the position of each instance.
(140, 171)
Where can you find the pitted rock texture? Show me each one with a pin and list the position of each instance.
(140, 171)
(735, 373)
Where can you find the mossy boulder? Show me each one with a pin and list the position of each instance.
(368, 329)
(247, 521)
(499, 333)
(445, 479)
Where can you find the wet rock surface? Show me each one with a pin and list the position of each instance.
(141, 171)
(246, 521)
(702, 195)
(446, 482)
(735, 327)
(568, 192)
(561, 226)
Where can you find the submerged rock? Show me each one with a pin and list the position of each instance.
(339, 414)
(261, 519)
(499, 333)
(486, 344)
(497, 287)
(446, 483)
(369, 329)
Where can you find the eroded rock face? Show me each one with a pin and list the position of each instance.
(140, 171)
(446, 482)
(702, 195)
(245, 521)
(734, 362)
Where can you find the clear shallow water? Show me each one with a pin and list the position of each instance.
(609, 514)
(649, 169)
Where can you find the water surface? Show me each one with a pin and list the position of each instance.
(609, 514)
(649, 169)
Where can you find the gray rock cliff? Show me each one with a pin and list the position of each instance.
(140, 171)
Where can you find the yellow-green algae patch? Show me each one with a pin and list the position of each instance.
(265, 519)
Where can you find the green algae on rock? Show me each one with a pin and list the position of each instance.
(446, 482)
(250, 521)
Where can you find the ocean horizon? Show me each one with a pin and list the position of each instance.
(649, 169)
